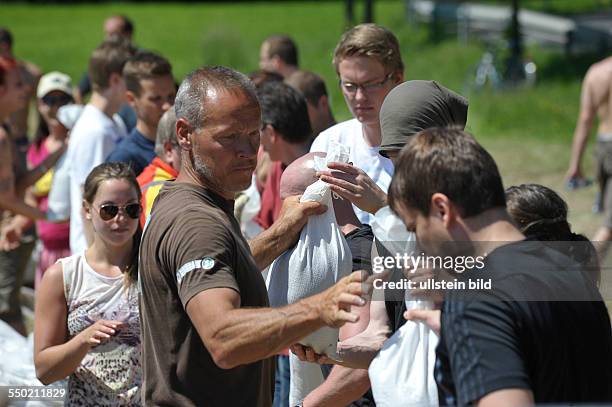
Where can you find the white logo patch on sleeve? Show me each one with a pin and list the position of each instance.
(205, 263)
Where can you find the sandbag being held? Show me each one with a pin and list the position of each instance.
(320, 258)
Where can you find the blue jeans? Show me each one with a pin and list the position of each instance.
(281, 385)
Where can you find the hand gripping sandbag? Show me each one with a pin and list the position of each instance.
(321, 256)
(402, 373)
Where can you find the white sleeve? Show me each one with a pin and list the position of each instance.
(320, 143)
(59, 196)
(92, 154)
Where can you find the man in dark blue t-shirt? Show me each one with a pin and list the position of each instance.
(150, 91)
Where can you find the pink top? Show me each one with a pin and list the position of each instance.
(54, 236)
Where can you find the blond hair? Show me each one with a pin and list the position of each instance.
(370, 40)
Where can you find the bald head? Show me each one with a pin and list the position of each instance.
(118, 26)
(299, 175)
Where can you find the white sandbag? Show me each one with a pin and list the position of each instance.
(305, 377)
(320, 258)
(402, 372)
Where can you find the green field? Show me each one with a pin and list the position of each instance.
(528, 130)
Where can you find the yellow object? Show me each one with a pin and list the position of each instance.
(43, 185)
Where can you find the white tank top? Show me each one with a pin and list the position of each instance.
(110, 374)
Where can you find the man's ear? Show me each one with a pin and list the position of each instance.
(399, 76)
(443, 208)
(168, 148)
(183, 133)
(276, 62)
(323, 102)
(269, 132)
(115, 78)
(130, 97)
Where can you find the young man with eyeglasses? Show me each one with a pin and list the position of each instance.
(368, 62)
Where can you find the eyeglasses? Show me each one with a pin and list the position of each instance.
(109, 211)
(351, 88)
(58, 100)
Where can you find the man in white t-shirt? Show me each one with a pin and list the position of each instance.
(369, 65)
(96, 133)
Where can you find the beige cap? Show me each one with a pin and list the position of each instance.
(54, 81)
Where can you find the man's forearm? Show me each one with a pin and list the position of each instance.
(36, 173)
(342, 386)
(17, 206)
(581, 136)
(248, 335)
(270, 244)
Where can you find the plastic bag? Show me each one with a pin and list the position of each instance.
(320, 258)
(402, 372)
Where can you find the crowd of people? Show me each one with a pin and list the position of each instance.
(212, 241)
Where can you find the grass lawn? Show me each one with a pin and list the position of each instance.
(528, 131)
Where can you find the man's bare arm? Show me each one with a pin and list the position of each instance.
(235, 336)
(343, 385)
(588, 109)
(37, 172)
(283, 234)
(507, 397)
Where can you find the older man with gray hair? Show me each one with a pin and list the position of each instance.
(162, 168)
(208, 334)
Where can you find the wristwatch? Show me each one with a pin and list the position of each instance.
(300, 403)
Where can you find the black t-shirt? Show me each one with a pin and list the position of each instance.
(559, 348)
(360, 243)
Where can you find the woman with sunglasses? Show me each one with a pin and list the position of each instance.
(54, 91)
(86, 318)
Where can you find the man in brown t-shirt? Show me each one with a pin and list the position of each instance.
(207, 337)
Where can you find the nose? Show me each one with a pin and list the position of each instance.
(248, 146)
(167, 105)
(360, 94)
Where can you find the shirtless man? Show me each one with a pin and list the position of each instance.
(30, 74)
(596, 99)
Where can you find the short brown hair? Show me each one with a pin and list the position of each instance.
(310, 84)
(371, 40)
(449, 161)
(283, 47)
(108, 58)
(144, 65)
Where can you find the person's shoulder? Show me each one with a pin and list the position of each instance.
(599, 71)
(193, 209)
(340, 129)
(89, 123)
(341, 133)
(123, 152)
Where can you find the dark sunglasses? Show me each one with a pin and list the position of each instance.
(57, 100)
(109, 211)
